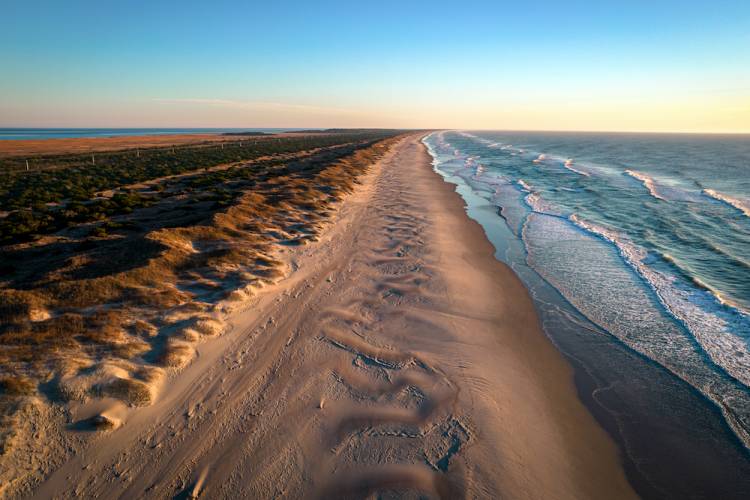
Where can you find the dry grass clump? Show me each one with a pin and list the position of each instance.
(9, 407)
(18, 305)
(143, 329)
(149, 374)
(16, 386)
(176, 354)
(129, 382)
(209, 326)
(134, 392)
(32, 343)
(15, 392)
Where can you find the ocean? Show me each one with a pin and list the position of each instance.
(636, 249)
(62, 133)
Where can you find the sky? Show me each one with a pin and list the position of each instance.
(658, 65)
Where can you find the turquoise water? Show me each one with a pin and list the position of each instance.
(646, 236)
(61, 133)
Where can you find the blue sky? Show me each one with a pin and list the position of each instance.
(661, 65)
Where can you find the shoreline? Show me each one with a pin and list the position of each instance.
(398, 337)
(558, 373)
(652, 415)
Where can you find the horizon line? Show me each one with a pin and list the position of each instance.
(572, 131)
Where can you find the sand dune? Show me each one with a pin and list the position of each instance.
(398, 356)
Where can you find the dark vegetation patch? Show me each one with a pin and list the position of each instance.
(60, 191)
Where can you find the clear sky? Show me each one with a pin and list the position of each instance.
(658, 65)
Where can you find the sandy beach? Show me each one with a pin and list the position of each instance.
(397, 356)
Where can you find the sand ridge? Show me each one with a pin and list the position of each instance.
(397, 357)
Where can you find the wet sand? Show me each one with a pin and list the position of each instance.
(398, 356)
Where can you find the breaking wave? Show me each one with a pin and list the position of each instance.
(647, 181)
(741, 205)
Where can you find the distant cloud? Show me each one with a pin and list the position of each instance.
(260, 106)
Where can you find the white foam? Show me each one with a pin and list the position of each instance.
(525, 186)
(719, 332)
(647, 181)
(470, 163)
(741, 205)
(569, 165)
(535, 201)
(543, 157)
(539, 159)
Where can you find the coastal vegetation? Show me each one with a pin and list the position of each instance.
(64, 190)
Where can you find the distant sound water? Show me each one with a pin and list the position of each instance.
(67, 133)
(648, 236)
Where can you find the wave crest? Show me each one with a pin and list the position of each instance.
(647, 181)
(741, 205)
(539, 159)
(569, 165)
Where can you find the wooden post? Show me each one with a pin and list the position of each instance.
(27, 165)
(93, 162)
(137, 152)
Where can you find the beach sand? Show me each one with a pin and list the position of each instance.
(397, 356)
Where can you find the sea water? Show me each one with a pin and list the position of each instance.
(644, 236)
